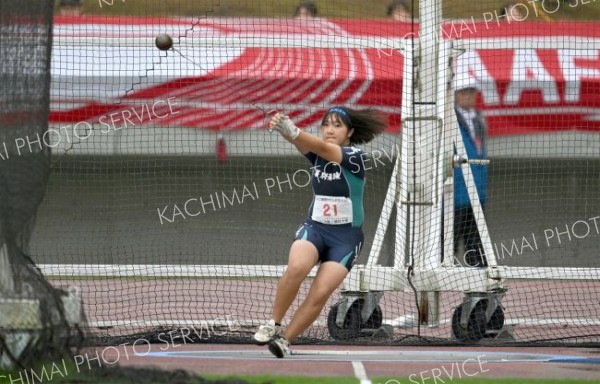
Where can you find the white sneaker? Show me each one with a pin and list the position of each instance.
(279, 346)
(267, 333)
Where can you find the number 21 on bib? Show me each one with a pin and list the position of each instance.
(332, 210)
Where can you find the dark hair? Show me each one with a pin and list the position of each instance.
(395, 5)
(73, 3)
(310, 6)
(504, 10)
(367, 123)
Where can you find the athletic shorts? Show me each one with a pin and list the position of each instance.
(341, 245)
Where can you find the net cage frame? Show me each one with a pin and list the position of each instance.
(428, 118)
(37, 320)
(429, 275)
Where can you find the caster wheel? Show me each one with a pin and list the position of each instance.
(496, 322)
(352, 325)
(376, 319)
(476, 325)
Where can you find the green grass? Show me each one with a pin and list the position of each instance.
(359, 9)
(82, 378)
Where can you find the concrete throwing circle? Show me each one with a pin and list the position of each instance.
(392, 356)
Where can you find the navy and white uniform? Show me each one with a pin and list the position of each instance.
(336, 214)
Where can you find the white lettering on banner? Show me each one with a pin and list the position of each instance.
(470, 63)
(575, 69)
(528, 73)
(551, 78)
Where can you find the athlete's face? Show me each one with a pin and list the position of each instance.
(335, 131)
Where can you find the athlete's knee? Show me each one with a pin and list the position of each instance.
(296, 272)
(319, 294)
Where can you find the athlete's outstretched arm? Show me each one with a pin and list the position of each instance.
(304, 141)
(300, 148)
(318, 146)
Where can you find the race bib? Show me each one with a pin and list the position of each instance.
(332, 210)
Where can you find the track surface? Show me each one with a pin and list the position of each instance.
(394, 362)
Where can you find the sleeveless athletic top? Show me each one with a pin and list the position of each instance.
(338, 189)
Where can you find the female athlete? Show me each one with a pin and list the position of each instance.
(332, 234)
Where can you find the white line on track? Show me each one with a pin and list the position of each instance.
(360, 373)
(228, 320)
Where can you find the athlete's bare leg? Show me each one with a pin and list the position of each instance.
(303, 257)
(329, 277)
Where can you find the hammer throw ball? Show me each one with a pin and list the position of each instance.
(163, 42)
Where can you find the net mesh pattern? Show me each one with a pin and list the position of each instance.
(173, 209)
(35, 318)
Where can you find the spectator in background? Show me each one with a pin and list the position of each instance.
(306, 10)
(511, 11)
(473, 129)
(70, 8)
(398, 10)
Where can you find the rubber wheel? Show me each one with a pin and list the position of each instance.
(352, 323)
(496, 321)
(351, 327)
(376, 319)
(476, 325)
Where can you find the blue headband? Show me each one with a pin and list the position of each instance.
(343, 113)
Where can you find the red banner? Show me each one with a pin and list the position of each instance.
(226, 88)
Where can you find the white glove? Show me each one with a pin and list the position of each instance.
(286, 127)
